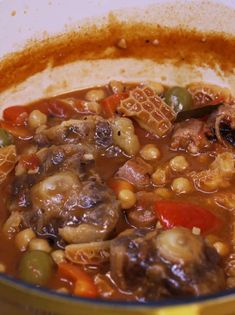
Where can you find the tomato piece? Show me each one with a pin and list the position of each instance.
(59, 109)
(30, 161)
(18, 115)
(19, 132)
(174, 213)
(56, 108)
(83, 283)
(111, 103)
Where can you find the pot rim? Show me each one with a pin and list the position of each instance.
(44, 292)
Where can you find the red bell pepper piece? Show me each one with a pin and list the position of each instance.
(17, 115)
(176, 213)
(56, 108)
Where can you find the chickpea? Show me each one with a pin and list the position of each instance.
(39, 244)
(158, 225)
(116, 86)
(159, 177)
(23, 239)
(211, 239)
(58, 256)
(231, 282)
(222, 248)
(92, 107)
(95, 95)
(88, 156)
(179, 163)
(19, 169)
(127, 198)
(181, 185)
(196, 230)
(2, 268)
(163, 192)
(37, 119)
(150, 152)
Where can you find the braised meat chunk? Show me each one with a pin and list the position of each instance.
(67, 198)
(136, 171)
(160, 264)
(190, 136)
(225, 124)
(90, 129)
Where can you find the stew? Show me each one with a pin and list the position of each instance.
(121, 192)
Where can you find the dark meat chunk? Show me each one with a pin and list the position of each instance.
(71, 131)
(224, 121)
(156, 265)
(227, 133)
(190, 136)
(41, 140)
(89, 130)
(67, 199)
(137, 172)
(66, 157)
(90, 193)
(21, 191)
(78, 211)
(99, 217)
(51, 159)
(103, 134)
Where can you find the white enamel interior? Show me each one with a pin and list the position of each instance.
(22, 20)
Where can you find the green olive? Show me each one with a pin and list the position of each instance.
(179, 99)
(36, 267)
(5, 138)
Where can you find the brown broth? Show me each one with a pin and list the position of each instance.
(10, 255)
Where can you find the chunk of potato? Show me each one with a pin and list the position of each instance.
(124, 135)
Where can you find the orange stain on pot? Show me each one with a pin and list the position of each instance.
(144, 41)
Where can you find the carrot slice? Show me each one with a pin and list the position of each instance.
(86, 288)
(83, 283)
(119, 184)
(111, 103)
